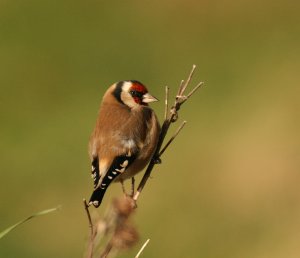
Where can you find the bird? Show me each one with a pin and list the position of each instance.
(124, 138)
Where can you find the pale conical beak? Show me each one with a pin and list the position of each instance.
(147, 98)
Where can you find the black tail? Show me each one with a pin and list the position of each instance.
(97, 196)
(118, 166)
(99, 192)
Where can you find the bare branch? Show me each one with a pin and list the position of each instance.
(185, 98)
(187, 81)
(90, 249)
(195, 89)
(137, 193)
(180, 88)
(172, 138)
(142, 248)
(179, 100)
(166, 102)
(132, 186)
(86, 207)
(106, 250)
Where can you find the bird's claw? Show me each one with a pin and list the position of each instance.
(157, 160)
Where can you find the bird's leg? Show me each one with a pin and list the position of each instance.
(132, 187)
(123, 187)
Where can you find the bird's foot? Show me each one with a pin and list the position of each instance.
(157, 160)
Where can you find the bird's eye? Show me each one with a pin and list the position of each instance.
(135, 93)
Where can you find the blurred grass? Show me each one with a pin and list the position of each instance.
(40, 213)
(234, 190)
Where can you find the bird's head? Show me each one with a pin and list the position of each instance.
(132, 93)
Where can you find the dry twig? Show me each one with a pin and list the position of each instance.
(93, 231)
(142, 248)
(170, 117)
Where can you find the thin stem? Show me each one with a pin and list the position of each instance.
(132, 186)
(187, 81)
(106, 250)
(194, 90)
(172, 138)
(180, 88)
(166, 102)
(86, 207)
(144, 180)
(142, 248)
(90, 249)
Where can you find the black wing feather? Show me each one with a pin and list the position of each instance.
(115, 169)
(95, 171)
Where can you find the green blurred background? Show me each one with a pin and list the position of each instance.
(228, 187)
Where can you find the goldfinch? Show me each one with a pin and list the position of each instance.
(124, 138)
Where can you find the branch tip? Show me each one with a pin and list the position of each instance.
(195, 89)
(180, 88)
(188, 80)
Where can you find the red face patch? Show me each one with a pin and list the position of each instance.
(137, 90)
(137, 86)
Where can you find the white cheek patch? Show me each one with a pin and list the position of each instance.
(126, 86)
(126, 96)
